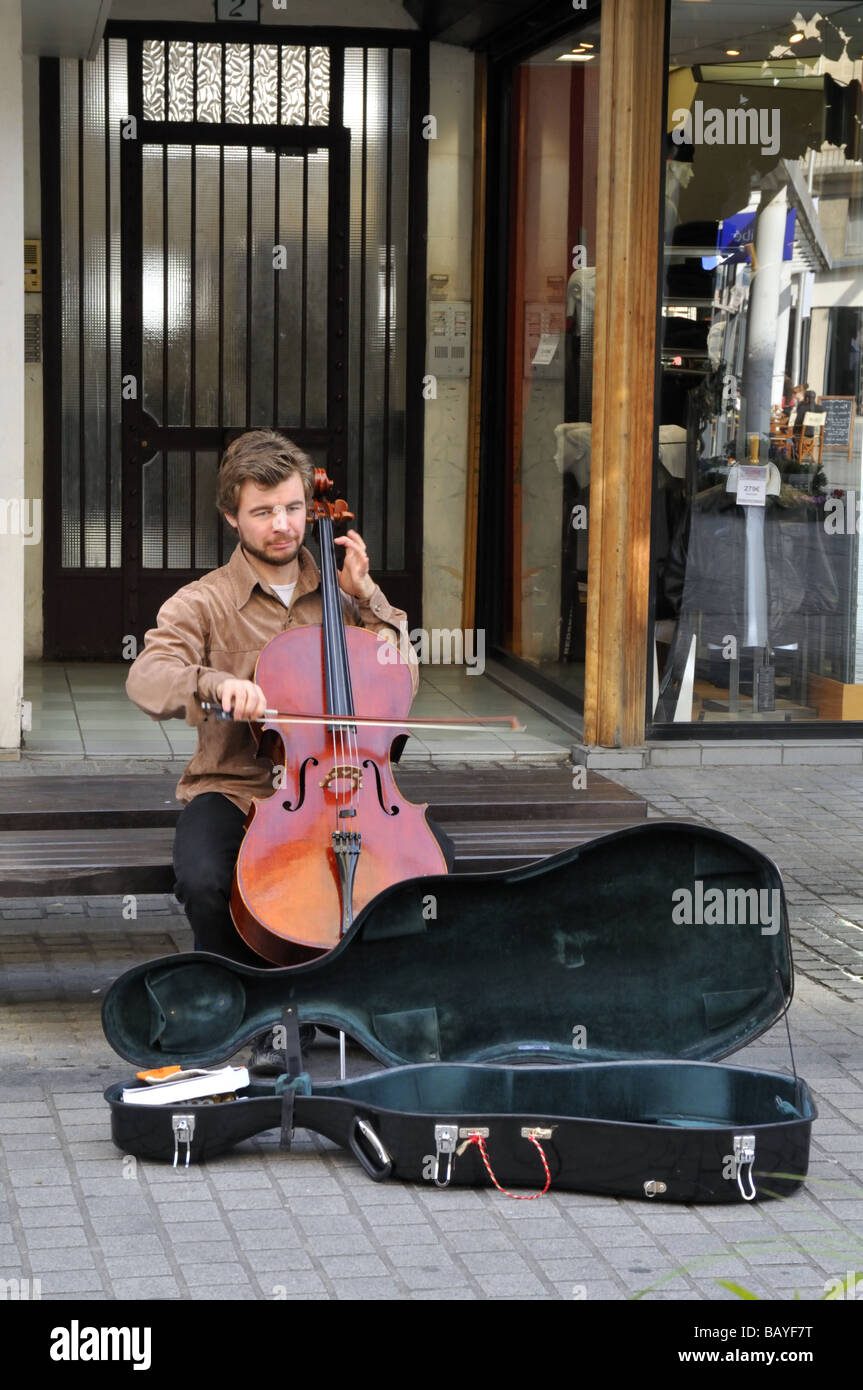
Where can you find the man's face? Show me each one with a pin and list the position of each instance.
(271, 521)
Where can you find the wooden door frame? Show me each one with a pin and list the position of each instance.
(629, 188)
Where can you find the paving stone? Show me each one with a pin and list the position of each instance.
(146, 1287)
(219, 1292)
(137, 1266)
(341, 1245)
(291, 1283)
(579, 1272)
(367, 1289)
(467, 1242)
(223, 1272)
(271, 1261)
(132, 1226)
(307, 1207)
(118, 1247)
(200, 1232)
(314, 1226)
(260, 1220)
(353, 1266)
(58, 1217)
(71, 1283)
(53, 1259)
(503, 1263)
(415, 1278)
(609, 1237)
(507, 1286)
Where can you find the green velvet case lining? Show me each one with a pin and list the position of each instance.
(579, 958)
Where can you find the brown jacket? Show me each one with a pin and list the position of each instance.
(213, 630)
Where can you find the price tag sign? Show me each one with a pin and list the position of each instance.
(752, 485)
(546, 349)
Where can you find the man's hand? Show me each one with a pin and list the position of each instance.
(245, 699)
(354, 576)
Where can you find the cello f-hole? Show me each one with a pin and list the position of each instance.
(387, 810)
(287, 805)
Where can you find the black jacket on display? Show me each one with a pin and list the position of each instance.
(706, 571)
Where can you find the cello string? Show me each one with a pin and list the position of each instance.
(325, 637)
(346, 749)
(347, 707)
(335, 702)
(339, 666)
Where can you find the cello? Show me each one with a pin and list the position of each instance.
(336, 832)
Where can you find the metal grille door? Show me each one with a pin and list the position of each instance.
(232, 225)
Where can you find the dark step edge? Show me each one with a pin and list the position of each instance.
(444, 812)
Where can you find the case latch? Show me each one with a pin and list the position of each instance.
(744, 1157)
(468, 1136)
(445, 1138)
(183, 1127)
(654, 1188)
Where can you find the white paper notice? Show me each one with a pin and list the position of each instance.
(752, 485)
(546, 349)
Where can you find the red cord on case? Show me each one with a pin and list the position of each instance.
(516, 1196)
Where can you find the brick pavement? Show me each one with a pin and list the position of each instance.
(89, 1223)
(810, 822)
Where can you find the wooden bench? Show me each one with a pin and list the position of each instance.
(114, 835)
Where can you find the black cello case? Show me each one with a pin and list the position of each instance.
(556, 1025)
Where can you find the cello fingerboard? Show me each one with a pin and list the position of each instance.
(337, 673)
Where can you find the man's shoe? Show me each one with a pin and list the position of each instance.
(266, 1060)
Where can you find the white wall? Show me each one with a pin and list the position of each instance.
(450, 231)
(836, 289)
(12, 377)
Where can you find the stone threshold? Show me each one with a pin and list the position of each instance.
(731, 753)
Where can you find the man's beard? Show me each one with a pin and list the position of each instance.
(283, 557)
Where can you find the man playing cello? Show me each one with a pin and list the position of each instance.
(204, 648)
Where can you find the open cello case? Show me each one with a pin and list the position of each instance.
(560, 1025)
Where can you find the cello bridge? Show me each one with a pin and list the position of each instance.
(343, 772)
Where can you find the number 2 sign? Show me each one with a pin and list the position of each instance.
(249, 10)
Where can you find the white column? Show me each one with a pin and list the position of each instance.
(15, 515)
(764, 311)
(783, 325)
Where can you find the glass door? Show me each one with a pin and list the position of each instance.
(235, 319)
(551, 284)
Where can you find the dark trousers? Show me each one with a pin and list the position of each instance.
(206, 843)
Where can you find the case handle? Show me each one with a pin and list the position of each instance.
(532, 1134)
(385, 1164)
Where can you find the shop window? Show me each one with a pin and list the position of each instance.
(756, 558)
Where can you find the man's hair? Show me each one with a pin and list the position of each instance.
(265, 457)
